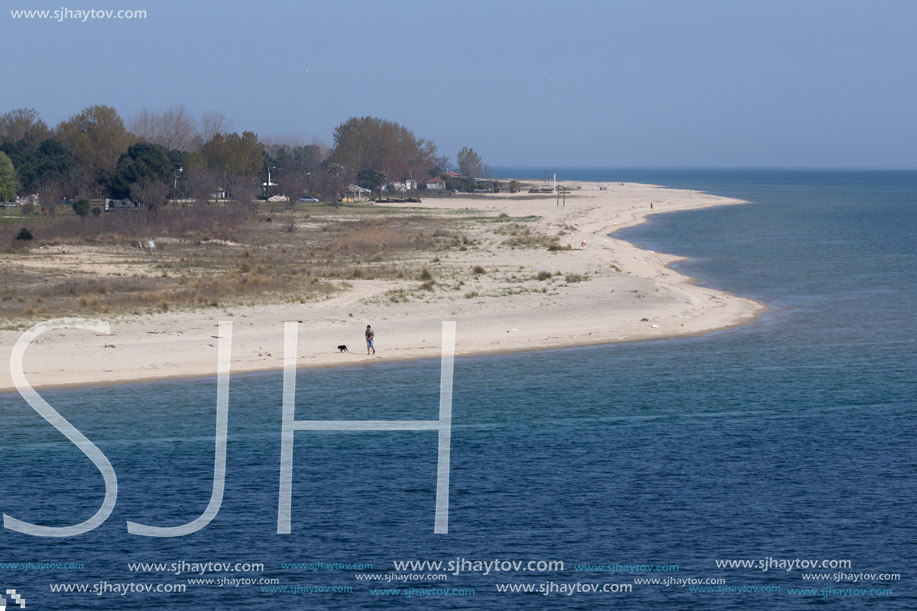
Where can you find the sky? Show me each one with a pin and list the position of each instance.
(731, 83)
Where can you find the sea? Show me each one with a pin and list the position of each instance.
(770, 466)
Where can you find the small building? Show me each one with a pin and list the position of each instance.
(436, 184)
(401, 187)
(120, 204)
(355, 193)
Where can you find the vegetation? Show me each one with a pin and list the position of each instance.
(194, 182)
(371, 143)
(81, 207)
(96, 136)
(95, 154)
(469, 163)
(143, 163)
(8, 182)
(211, 257)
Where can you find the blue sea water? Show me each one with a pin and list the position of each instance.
(789, 439)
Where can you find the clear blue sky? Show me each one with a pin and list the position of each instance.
(674, 83)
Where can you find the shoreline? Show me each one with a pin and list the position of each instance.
(587, 313)
(402, 359)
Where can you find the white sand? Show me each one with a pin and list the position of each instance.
(607, 307)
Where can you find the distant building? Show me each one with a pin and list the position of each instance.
(436, 184)
(355, 193)
(401, 187)
(120, 204)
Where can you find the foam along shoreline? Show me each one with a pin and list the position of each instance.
(626, 294)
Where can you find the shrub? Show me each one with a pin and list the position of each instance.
(425, 275)
(24, 234)
(571, 278)
(477, 269)
(96, 211)
(81, 207)
(543, 275)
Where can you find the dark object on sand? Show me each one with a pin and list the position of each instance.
(342, 348)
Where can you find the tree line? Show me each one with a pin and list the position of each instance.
(171, 154)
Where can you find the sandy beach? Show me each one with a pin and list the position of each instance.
(608, 291)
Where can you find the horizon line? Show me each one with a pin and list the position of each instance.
(711, 167)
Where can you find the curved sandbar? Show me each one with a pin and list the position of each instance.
(625, 294)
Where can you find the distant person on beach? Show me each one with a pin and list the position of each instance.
(370, 336)
(651, 205)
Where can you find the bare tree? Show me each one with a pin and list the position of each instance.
(21, 122)
(50, 191)
(150, 195)
(322, 149)
(274, 143)
(293, 183)
(174, 128)
(76, 182)
(242, 189)
(179, 129)
(331, 180)
(144, 125)
(213, 124)
(201, 184)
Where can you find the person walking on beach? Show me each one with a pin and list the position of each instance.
(370, 336)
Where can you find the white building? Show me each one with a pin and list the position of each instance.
(436, 184)
(119, 204)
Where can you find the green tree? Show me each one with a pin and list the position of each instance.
(143, 162)
(34, 165)
(470, 163)
(81, 207)
(8, 182)
(371, 179)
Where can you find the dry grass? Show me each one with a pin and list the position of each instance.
(197, 222)
(208, 257)
(520, 236)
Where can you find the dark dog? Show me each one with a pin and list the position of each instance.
(342, 348)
